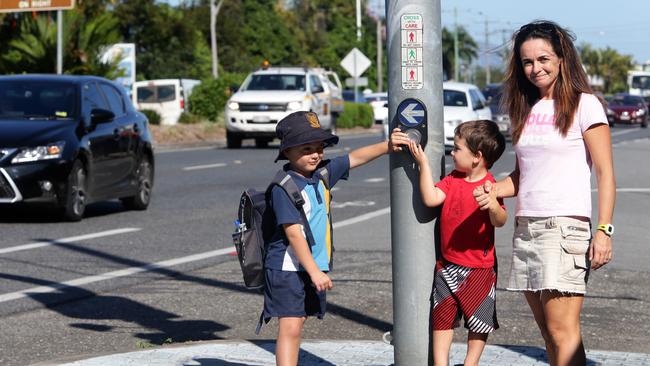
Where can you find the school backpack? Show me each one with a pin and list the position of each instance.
(254, 225)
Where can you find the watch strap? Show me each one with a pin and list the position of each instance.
(608, 229)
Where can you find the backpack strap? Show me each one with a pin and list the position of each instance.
(284, 180)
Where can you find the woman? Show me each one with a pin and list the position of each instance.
(559, 129)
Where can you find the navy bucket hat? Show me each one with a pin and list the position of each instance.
(301, 128)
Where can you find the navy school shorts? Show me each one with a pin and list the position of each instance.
(291, 294)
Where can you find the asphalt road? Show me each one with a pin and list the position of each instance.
(124, 280)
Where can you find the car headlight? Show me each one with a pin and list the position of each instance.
(610, 112)
(640, 112)
(294, 106)
(47, 152)
(233, 106)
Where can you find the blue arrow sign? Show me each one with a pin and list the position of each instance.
(411, 112)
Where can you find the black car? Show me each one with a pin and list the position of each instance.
(72, 140)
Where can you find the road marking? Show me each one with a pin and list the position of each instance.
(158, 265)
(361, 218)
(374, 180)
(182, 149)
(623, 132)
(112, 275)
(627, 190)
(335, 204)
(207, 166)
(100, 234)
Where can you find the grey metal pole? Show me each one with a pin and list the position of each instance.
(456, 58)
(59, 42)
(412, 224)
(380, 72)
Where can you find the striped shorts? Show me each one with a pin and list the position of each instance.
(464, 292)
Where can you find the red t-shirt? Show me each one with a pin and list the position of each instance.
(467, 234)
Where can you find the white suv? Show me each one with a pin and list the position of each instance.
(267, 96)
(462, 102)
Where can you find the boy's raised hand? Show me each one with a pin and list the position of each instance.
(417, 153)
(397, 140)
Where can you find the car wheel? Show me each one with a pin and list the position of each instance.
(142, 197)
(75, 194)
(261, 143)
(233, 141)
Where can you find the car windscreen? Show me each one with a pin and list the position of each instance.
(627, 100)
(27, 99)
(156, 93)
(641, 82)
(454, 98)
(276, 82)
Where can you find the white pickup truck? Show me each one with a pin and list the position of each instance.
(268, 95)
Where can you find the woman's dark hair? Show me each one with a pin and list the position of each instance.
(484, 136)
(520, 94)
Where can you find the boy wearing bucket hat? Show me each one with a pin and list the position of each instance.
(298, 259)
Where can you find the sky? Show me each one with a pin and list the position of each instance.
(622, 25)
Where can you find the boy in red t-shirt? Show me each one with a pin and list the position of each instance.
(465, 278)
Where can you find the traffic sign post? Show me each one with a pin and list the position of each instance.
(415, 106)
(355, 63)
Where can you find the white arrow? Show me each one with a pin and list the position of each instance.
(409, 113)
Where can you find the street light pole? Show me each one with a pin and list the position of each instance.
(59, 42)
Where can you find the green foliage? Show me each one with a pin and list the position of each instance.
(168, 44)
(153, 116)
(467, 50)
(33, 49)
(608, 64)
(188, 118)
(355, 114)
(208, 99)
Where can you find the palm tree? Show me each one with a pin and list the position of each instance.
(467, 49)
(34, 50)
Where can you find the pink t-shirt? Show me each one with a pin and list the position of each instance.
(555, 171)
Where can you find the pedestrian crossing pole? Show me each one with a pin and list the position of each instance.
(415, 105)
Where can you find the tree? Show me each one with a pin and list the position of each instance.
(608, 64)
(467, 49)
(33, 50)
(167, 44)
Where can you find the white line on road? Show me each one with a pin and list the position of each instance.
(207, 166)
(46, 243)
(627, 190)
(374, 180)
(111, 275)
(149, 267)
(153, 266)
(623, 132)
(360, 218)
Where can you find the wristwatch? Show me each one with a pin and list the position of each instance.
(608, 229)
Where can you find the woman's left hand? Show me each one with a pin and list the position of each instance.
(600, 250)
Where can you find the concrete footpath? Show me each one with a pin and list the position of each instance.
(323, 352)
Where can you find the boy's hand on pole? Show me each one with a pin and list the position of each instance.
(397, 140)
(417, 153)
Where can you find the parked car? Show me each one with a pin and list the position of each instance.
(461, 102)
(493, 93)
(72, 140)
(379, 103)
(167, 97)
(348, 96)
(268, 95)
(626, 108)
